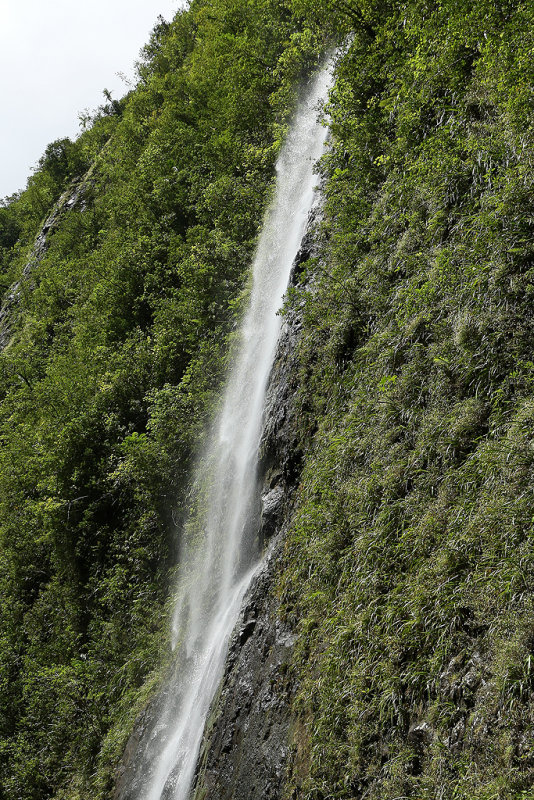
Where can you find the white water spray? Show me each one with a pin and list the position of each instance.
(217, 565)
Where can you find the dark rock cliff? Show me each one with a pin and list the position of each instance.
(246, 740)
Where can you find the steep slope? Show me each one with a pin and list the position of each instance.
(405, 591)
(112, 362)
(409, 568)
(404, 587)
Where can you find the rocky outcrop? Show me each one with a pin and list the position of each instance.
(70, 199)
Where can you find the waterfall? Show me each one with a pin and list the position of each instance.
(220, 550)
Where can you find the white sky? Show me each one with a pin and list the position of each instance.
(56, 57)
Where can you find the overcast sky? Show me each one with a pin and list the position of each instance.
(56, 57)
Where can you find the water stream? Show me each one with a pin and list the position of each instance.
(219, 560)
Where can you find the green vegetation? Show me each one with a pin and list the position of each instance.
(409, 568)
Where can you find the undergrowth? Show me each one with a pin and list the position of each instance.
(410, 566)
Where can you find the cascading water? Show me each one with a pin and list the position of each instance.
(218, 563)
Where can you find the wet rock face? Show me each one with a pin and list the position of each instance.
(246, 740)
(280, 454)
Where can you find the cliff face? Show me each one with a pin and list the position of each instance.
(385, 650)
(246, 745)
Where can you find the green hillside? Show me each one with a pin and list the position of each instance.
(409, 568)
(411, 563)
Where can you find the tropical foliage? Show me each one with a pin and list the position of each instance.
(409, 566)
(410, 562)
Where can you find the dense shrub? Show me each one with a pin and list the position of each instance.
(409, 565)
